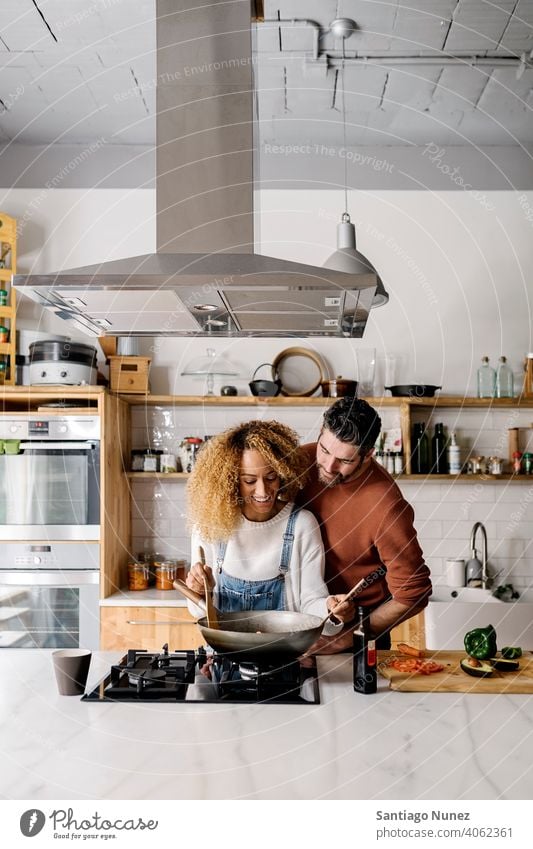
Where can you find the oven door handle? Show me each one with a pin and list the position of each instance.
(49, 577)
(53, 446)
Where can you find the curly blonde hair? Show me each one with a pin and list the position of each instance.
(214, 508)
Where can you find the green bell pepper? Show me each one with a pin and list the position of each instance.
(481, 643)
(512, 652)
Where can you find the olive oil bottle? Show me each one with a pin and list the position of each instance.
(364, 657)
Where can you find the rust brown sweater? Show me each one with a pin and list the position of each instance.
(367, 527)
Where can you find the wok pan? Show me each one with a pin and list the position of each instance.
(413, 390)
(250, 633)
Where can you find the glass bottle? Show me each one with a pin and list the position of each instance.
(439, 454)
(504, 380)
(364, 657)
(486, 380)
(454, 456)
(420, 450)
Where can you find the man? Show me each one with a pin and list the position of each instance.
(367, 525)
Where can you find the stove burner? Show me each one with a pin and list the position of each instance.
(196, 676)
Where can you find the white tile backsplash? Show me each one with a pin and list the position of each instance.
(444, 512)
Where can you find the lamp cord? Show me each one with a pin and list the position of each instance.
(344, 131)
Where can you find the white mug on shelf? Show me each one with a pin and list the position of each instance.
(455, 573)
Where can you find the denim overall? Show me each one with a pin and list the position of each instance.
(235, 594)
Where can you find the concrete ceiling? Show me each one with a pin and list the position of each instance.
(419, 71)
(73, 72)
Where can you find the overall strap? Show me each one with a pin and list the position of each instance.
(288, 540)
(221, 553)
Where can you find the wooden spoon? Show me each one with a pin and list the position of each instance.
(210, 608)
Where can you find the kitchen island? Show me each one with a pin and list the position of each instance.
(386, 746)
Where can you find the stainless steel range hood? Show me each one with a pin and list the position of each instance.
(196, 284)
(205, 295)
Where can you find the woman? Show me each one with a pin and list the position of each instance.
(263, 552)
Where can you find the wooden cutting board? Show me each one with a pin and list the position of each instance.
(453, 680)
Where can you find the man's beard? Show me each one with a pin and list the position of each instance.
(330, 482)
(339, 477)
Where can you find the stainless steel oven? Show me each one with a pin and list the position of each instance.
(50, 477)
(49, 595)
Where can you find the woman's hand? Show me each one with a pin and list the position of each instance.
(195, 578)
(346, 611)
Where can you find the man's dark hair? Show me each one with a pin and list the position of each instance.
(354, 421)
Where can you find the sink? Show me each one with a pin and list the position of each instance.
(452, 612)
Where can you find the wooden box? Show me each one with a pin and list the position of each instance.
(129, 374)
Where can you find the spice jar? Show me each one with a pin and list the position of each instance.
(4, 334)
(527, 463)
(165, 575)
(151, 460)
(478, 465)
(138, 576)
(3, 297)
(137, 460)
(188, 451)
(517, 462)
(495, 465)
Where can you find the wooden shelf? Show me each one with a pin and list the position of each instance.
(159, 476)
(466, 478)
(7, 312)
(299, 401)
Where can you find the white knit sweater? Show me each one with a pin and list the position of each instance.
(253, 553)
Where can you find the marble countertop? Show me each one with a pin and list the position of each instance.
(386, 746)
(144, 598)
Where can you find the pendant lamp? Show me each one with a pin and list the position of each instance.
(347, 258)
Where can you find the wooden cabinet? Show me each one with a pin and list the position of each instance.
(8, 266)
(148, 628)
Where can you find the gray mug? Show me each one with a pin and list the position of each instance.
(71, 668)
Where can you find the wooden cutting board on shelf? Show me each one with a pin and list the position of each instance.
(453, 680)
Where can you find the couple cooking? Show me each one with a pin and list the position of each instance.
(290, 527)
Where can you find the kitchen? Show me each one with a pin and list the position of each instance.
(454, 263)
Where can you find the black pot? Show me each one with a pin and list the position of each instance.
(265, 388)
(413, 390)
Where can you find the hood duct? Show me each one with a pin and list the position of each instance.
(205, 279)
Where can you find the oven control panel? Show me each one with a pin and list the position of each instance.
(55, 555)
(59, 427)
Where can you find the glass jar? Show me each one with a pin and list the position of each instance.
(527, 463)
(3, 297)
(188, 450)
(495, 465)
(138, 576)
(137, 460)
(151, 460)
(165, 575)
(478, 465)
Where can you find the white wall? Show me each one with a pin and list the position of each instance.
(458, 274)
(67, 228)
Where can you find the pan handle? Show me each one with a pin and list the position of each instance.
(182, 588)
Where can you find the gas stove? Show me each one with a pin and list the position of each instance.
(197, 676)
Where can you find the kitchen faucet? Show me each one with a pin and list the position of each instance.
(476, 572)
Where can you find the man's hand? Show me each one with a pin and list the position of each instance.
(346, 611)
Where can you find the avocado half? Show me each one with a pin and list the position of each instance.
(482, 671)
(503, 664)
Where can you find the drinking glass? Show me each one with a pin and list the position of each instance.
(366, 365)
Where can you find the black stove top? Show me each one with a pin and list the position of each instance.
(196, 676)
